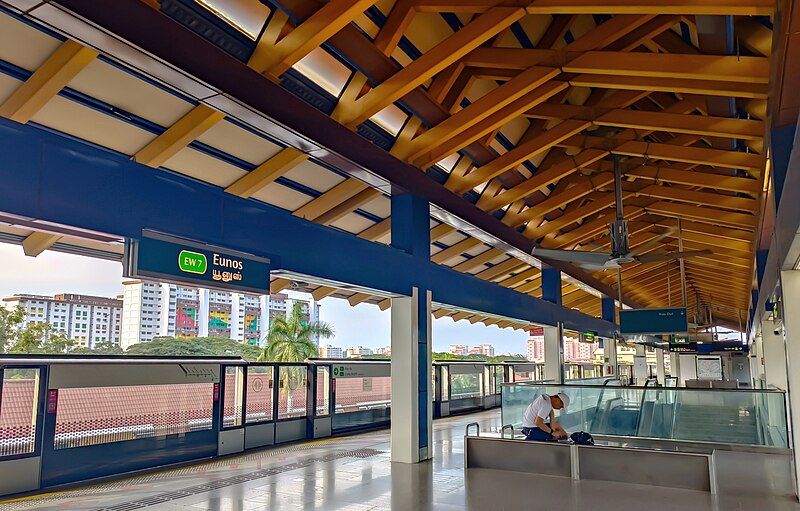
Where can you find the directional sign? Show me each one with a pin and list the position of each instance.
(167, 258)
(653, 321)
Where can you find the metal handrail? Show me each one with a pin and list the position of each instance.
(504, 428)
(477, 429)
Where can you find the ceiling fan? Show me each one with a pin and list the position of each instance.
(620, 251)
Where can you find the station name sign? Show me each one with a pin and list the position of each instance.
(653, 321)
(167, 258)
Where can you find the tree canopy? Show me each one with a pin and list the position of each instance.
(291, 339)
(195, 347)
(33, 337)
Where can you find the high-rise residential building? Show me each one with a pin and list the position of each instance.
(384, 351)
(458, 349)
(482, 349)
(87, 320)
(535, 351)
(329, 351)
(156, 309)
(576, 351)
(357, 351)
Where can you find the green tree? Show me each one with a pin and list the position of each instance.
(195, 347)
(106, 348)
(291, 339)
(40, 338)
(10, 323)
(171, 347)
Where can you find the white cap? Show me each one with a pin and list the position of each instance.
(564, 399)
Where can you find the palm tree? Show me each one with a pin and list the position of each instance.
(291, 339)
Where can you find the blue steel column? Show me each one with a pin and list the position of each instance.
(553, 335)
(411, 331)
(609, 345)
(551, 284)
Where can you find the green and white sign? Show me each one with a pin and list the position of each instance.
(167, 258)
(365, 370)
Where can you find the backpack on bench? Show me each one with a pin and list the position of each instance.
(582, 438)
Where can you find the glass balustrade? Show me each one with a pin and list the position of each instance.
(742, 417)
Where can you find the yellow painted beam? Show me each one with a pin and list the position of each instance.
(358, 298)
(736, 69)
(521, 153)
(339, 193)
(542, 179)
(37, 242)
(377, 231)
(508, 266)
(278, 285)
(533, 230)
(644, 33)
(430, 63)
(700, 155)
(458, 316)
(456, 141)
(677, 123)
(609, 32)
(454, 251)
(518, 59)
(267, 172)
(682, 7)
(744, 129)
(277, 27)
(321, 26)
(468, 117)
(705, 215)
(57, 71)
(677, 85)
(400, 17)
(704, 229)
(440, 231)
(696, 178)
(520, 277)
(346, 207)
(479, 260)
(716, 200)
(558, 200)
(440, 313)
(321, 292)
(178, 136)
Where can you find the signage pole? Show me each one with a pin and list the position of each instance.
(683, 267)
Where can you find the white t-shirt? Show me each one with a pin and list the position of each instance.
(539, 407)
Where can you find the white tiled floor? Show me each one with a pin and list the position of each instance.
(355, 483)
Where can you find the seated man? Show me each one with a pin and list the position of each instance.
(538, 421)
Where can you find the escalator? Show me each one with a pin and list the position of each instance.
(733, 425)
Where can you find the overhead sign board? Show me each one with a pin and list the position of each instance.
(166, 258)
(588, 337)
(689, 347)
(653, 321)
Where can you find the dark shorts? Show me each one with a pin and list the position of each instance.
(536, 434)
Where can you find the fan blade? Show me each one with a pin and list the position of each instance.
(571, 256)
(652, 258)
(644, 247)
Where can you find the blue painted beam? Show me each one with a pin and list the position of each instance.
(52, 178)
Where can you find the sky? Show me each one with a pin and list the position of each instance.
(362, 325)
